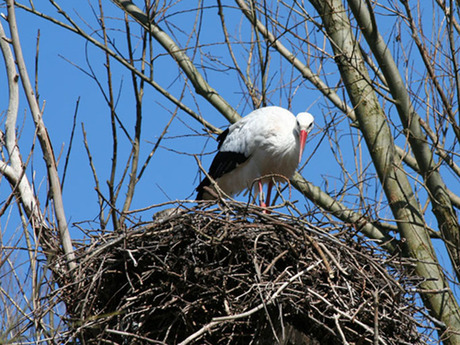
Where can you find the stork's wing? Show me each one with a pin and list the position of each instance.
(223, 163)
(236, 144)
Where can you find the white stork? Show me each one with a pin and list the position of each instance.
(268, 142)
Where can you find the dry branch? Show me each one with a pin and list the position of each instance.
(45, 143)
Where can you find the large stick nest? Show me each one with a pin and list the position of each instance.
(233, 275)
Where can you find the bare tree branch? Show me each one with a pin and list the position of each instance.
(44, 140)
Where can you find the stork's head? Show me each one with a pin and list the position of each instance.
(305, 123)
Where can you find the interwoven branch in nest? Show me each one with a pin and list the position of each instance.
(234, 276)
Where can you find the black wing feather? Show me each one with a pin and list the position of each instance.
(223, 163)
(221, 138)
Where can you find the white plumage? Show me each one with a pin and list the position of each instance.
(268, 141)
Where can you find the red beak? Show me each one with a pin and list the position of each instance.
(303, 139)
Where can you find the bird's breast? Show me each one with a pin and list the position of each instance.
(278, 156)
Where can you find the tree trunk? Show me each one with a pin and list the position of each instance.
(435, 292)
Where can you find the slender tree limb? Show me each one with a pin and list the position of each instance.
(138, 96)
(102, 220)
(113, 123)
(15, 172)
(23, 185)
(155, 146)
(451, 23)
(439, 149)
(44, 140)
(72, 132)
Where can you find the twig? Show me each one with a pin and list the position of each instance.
(135, 336)
(102, 221)
(376, 317)
(339, 329)
(72, 132)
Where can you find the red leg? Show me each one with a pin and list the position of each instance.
(269, 192)
(261, 193)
